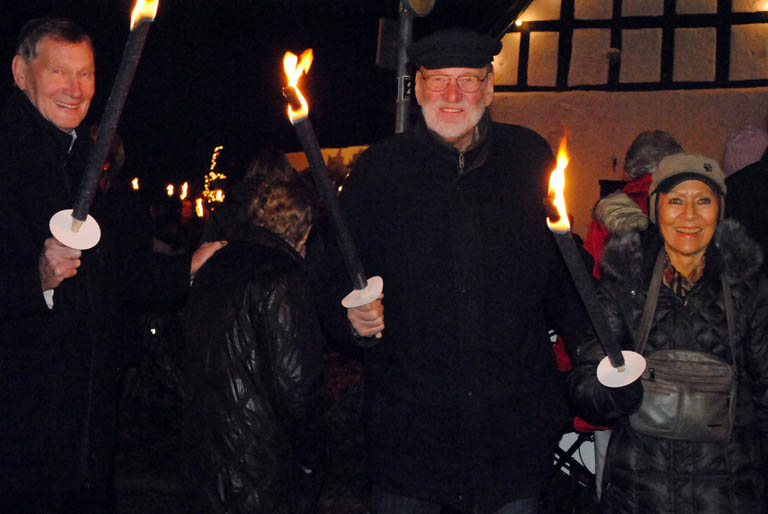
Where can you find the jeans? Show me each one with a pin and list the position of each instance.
(384, 502)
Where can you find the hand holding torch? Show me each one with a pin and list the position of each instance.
(618, 368)
(365, 290)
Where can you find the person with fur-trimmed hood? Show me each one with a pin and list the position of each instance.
(627, 209)
(698, 257)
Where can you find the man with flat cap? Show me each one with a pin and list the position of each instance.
(464, 403)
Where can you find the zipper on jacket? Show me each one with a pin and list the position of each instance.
(461, 161)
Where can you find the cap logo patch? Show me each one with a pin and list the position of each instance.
(707, 167)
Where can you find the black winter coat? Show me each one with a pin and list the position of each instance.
(662, 476)
(59, 367)
(253, 378)
(745, 201)
(464, 402)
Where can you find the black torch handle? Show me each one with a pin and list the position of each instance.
(588, 295)
(109, 120)
(323, 183)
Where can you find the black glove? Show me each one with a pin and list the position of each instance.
(627, 399)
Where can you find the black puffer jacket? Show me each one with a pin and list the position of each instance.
(253, 374)
(654, 475)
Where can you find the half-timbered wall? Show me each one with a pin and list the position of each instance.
(604, 70)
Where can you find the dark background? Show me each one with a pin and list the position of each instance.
(211, 73)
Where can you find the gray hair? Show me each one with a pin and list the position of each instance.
(59, 29)
(647, 150)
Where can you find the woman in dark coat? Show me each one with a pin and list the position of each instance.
(252, 441)
(698, 256)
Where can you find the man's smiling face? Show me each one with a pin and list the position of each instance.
(453, 113)
(59, 81)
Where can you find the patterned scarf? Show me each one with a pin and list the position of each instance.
(679, 283)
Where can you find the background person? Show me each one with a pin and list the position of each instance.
(269, 163)
(744, 146)
(748, 185)
(252, 433)
(627, 209)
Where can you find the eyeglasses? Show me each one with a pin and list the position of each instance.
(466, 83)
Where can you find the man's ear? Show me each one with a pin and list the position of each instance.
(19, 69)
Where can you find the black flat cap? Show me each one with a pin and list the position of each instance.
(454, 48)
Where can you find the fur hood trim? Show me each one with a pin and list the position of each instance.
(629, 256)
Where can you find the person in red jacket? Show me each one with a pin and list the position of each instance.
(618, 212)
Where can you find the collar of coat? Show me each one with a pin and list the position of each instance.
(250, 233)
(22, 108)
(474, 156)
(629, 256)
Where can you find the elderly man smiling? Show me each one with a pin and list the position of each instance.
(464, 403)
(59, 355)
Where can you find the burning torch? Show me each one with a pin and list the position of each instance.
(365, 290)
(74, 227)
(619, 367)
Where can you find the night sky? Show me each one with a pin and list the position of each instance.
(211, 73)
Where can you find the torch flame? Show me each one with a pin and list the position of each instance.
(293, 73)
(556, 189)
(143, 9)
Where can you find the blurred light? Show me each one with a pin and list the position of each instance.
(215, 156)
(135, 183)
(199, 207)
(519, 23)
(184, 188)
(169, 189)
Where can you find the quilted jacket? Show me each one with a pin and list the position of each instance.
(662, 476)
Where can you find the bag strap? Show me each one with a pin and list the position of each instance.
(728, 300)
(653, 296)
(650, 302)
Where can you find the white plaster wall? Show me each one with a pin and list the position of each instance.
(601, 126)
(695, 54)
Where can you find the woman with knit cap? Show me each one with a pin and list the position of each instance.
(690, 435)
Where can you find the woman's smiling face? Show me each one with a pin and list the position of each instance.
(687, 218)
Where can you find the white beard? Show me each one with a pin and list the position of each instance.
(452, 131)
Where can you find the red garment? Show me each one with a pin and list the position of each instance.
(597, 234)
